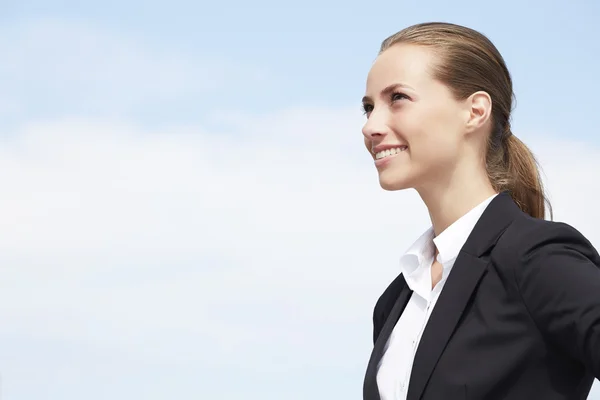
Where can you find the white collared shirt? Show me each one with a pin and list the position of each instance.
(395, 366)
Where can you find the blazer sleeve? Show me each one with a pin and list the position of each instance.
(558, 277)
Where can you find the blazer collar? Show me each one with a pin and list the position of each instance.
(498, 215)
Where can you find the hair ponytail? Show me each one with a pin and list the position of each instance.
(523, 181)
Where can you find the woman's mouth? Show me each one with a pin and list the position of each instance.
(390, 152)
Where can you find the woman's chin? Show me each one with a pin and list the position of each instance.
(393, 183)
(391, 178)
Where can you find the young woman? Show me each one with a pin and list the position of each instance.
(493, 301)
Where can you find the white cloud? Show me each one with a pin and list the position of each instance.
(183, 250)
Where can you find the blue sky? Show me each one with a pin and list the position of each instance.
(317, 54)
(188, 211)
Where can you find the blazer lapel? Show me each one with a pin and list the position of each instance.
(462, 282)
(466, 274)
(370, 389)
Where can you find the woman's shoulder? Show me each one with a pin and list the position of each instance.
(532, 241)
(531, 233)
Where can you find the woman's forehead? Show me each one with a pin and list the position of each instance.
(408, 65)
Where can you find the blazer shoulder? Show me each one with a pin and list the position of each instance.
(530, 240)
(528, 235)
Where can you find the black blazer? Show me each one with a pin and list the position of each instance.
(518, 318)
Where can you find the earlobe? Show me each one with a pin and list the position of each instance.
(480, 110)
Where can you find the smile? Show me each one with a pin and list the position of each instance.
(390, 152)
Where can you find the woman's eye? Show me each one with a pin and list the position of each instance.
(367, 108)
(398, 96)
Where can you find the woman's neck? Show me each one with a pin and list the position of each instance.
(446, 204)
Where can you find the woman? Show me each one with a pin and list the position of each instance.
(493, 301)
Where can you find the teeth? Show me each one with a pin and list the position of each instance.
(389, 152)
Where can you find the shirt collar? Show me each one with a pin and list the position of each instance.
(421, 249)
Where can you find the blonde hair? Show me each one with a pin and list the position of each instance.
(469, 62)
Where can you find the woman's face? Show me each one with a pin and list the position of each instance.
(415, 129)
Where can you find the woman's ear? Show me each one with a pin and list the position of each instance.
(479, 107)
